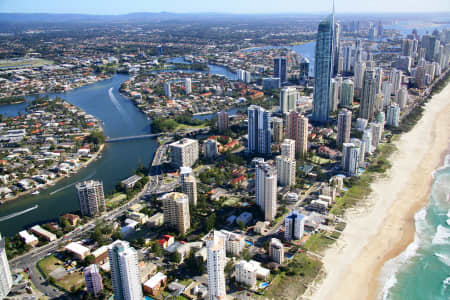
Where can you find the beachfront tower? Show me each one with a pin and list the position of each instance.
(323, 70)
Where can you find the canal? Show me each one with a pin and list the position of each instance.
(120, 118)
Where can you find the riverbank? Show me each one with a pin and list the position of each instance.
(383, 226)
(51, 183)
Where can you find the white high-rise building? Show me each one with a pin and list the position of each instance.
(288, 99)
(362, 150)
(5, 272)
(285, 170)
(367, 140)
(350, 158)
(294, 225)
(266, 190)
(91, 197)
(335, 89)
(393, 115)
(244, 76)
(189, 185)
(288, 148)
(188, 85)
(184, 153)
(215, 245)
(176, 211)
(125, 273)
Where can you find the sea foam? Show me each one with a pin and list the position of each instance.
(391, 267)
(442, 236)
(443, 258)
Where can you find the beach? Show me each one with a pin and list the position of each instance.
(382, 226)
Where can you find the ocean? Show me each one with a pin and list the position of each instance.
(422, 271)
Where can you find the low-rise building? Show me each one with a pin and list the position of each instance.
(28, 239)
(100, 255)
(39, 231)
(156, 284)
(234, 243)
(156, 220)
(248, 272)
(77, 250)
(276, 251)
(72, 219)
(130, 182)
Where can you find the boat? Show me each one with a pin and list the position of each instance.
(35, 192)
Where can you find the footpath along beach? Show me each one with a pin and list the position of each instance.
(383, 226)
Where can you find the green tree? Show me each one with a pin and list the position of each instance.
(96, 137)
(175, 257)
(210, 222)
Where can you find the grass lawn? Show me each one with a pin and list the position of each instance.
(115, 199)
(295, 278)
(187, 127)
(35, 62)
(317, 243)
(69, 282)
(320, 160)
(49, 264)
(231, 201)
(185, 282)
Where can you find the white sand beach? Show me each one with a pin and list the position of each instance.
(383, 226)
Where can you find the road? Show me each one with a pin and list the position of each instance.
(315, 187)
(30, 259)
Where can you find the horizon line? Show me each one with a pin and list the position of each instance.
(233, 13)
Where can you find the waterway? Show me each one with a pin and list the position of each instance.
(120, 117)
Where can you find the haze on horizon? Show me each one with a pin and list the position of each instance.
(105, 7)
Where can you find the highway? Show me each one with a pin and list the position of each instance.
(30, 259)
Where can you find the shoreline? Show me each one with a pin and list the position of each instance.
(382, 226)
(55, 181)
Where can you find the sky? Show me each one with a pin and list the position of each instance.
(221, 6)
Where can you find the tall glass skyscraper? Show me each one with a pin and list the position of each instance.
(259, 135)
(323, 69)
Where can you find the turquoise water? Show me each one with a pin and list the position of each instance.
(422, 271)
